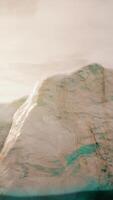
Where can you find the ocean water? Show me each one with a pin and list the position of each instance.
(89, 195)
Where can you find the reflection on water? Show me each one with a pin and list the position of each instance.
(96, 195)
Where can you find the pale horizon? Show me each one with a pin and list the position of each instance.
(42, 37)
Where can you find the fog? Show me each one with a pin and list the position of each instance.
(42, 37)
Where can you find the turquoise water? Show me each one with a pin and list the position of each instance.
(83, 151)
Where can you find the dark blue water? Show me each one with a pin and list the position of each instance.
(100, 195)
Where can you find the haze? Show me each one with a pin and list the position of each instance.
(42, 37)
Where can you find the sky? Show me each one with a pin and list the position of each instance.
(42, 37)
